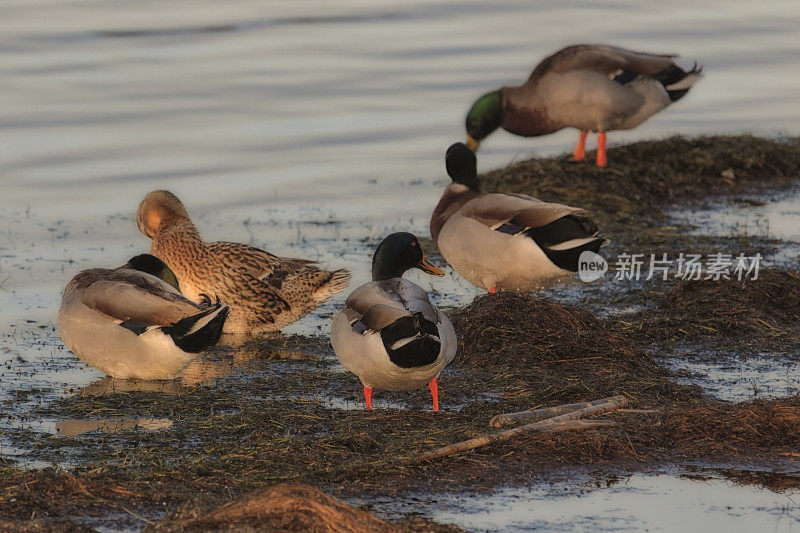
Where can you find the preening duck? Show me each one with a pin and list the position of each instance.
(506, 241)
(265, 292)
(592, 87)
(128, 322)
(389, 334)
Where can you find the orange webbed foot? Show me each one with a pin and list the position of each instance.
(434, 386)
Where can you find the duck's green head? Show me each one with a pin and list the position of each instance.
(397, 253)
(462, 166)
(485, 116)
(154, 266)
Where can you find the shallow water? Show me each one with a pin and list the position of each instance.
(744, 376)
(775, 216)
(638, 503)
(770, 218)
(738, 377)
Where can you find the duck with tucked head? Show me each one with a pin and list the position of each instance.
(389, 334)
(506, 241)
(132, 322)
(265, 292)
(592, 87)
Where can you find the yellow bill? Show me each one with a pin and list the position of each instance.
(426, 266)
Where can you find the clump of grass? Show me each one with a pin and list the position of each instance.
(644, 177)
(771, 302)
(764, 311)
(559, 350)
(754, 429)
(283, 507)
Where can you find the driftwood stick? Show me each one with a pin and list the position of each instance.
(510, 419)
(544, 426)
(551, 425)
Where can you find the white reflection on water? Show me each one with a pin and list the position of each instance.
(766, 217)
(640, 503)
(72, 428)
(738, 377)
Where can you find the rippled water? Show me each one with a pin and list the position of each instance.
(307, 128)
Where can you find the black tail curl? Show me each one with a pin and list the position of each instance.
(422, 350)
(201, 338)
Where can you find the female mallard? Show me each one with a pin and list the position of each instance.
(592, 87)
(129, 323)
(506, 241)
(389, 334)
(265, 292)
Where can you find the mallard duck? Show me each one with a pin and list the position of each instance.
(389, 334)
(128, 322)
(265, 292)
(592, 87)
(506, 241)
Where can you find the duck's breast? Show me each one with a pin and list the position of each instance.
(587, 100)
(116, 351)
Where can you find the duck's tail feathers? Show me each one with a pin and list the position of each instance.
(337, 281)
(198, 332)
(566, 254)
(566, 228)
(412, 341)
(677, 81)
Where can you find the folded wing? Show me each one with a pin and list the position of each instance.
(131, 296)
(603, 58)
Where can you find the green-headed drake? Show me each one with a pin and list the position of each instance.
(129, 322)
(592, 87)
(389, 334)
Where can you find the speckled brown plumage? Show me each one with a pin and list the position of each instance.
(265, 292)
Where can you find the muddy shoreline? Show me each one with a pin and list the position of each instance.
(281, 410)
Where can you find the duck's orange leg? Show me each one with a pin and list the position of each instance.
(492, 290)
(580, 150)
(368, 397)
(434, 386)
(601, 149)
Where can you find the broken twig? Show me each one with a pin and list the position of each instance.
(510, 419)
(543, 426)
(551, 425)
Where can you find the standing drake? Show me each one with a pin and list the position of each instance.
(592, 87)
(506, 241)
(389, 334)
(265, 292)
(130, 323)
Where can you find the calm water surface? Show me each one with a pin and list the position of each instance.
(308, 128)
(638, 503)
